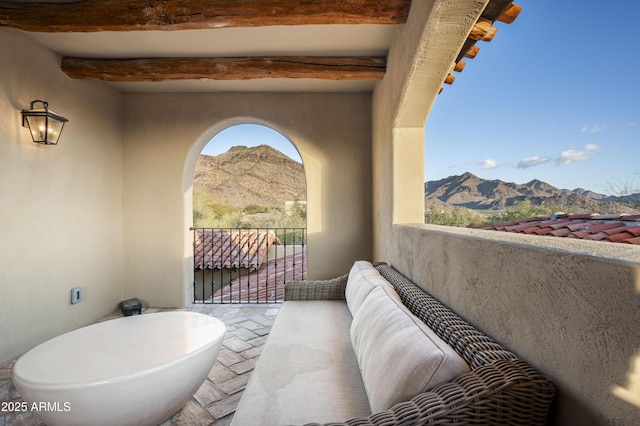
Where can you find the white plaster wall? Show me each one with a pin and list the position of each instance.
(163, 135)
(60, 206)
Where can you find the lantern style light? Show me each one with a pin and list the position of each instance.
(45, 125)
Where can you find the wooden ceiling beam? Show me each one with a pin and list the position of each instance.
(496, 10)
(510, 14)
(483, 30)
(169, 15)
(241, 68)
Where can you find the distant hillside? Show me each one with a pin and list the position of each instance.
(472, 192)
(264, 176)
(242, 176)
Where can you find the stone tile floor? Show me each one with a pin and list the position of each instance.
(215, 402)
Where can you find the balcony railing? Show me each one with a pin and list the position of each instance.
(232, 265)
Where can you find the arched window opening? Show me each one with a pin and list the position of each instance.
(249, 216)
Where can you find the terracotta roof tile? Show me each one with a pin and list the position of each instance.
(543, 231)
(620, 237)
(562, 232)
(618, 228)
(597, 237)
(531, 230)
(231, 248)
(267, 283)
(559, 224)
(580, 216)
(609, 216)
(579, 234)
(598, 227)
(634, 230)
(576, 226)
(521, 228)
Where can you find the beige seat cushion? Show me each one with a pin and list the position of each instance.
(363, 278)
(307, 371)
(399, 356)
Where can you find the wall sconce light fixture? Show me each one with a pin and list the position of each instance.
(45, 125)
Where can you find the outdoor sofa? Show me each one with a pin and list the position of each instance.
(372, 348)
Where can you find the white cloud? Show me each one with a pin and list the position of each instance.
(527, 162)
(489, 164)
(572, 156)
(593, 129)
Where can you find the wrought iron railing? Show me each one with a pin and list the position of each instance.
(234, 265)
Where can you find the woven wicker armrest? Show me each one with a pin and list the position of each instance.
(508, 392)
(316, 290)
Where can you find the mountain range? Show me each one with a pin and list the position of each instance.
(243, 176)
(470, 191)
(264, 176)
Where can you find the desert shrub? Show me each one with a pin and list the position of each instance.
(521, 210)
(454, 217)
(255, 208)
(296, 217)
(209, 213)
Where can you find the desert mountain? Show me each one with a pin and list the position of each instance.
(264, 176)
(258, 175)
(472, 192)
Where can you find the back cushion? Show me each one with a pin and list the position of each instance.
(398, 355)
(363, 278)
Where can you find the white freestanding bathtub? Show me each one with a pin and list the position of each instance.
(137, 370)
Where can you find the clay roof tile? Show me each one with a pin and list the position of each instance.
(594, 228)
(578, 234)
(596, 237)
(579, 216)
(620, 237)
(543, 231)
(611, 228)
(634, 230)
(562, 232)
(576, 226)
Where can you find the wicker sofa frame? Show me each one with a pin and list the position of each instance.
(500, 389)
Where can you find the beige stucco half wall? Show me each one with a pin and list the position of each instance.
(570, 308)
(163, 135)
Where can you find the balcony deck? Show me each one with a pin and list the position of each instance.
(215, 402)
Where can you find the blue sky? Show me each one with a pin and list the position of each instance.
(250, 135)
(553, 97)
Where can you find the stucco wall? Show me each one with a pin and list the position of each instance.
(570, 308)
(163, 135)
(60, 206)
(417, 65)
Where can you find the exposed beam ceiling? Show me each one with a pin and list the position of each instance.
(205, 42)
(129, 16)
(136, 15)
(163, 69)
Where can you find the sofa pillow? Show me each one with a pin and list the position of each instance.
(363, 278)
(398, 355)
